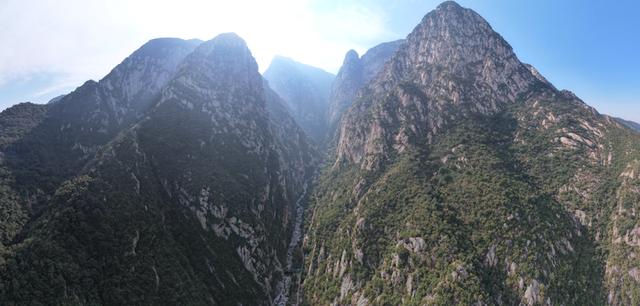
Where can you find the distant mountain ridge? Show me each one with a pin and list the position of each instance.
(630, 124)
(56, 99)
(305, 89)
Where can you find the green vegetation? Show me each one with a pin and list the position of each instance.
(488, 184)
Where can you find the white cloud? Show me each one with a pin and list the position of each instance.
(61, 85)
(45, 37)
(84, 39)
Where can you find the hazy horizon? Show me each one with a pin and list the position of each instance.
(55, 47)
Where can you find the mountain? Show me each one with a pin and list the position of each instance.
(630, 124)
(462, 176)
(81, 122)
(15, 123)
(305, 89)
(191, 203)
(456, 174)
(355, 72)
(56, 99)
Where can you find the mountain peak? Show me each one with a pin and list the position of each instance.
(227, 49)
(135, 82)
(452, 41)
(222, 68)
(454, 33)
(167, 42)
(449, 5)
(293, 66)
(351, 61)
(304, 89)
(161, 50)
(355, 72)
(351, 56)
(281, 59)
(280, 62)
(453, 64)
(230, 39)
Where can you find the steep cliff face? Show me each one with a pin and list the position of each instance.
(134, 84)
(345, 86)
(374, 59)
(462, 176)
(353, 75)
(190, 205)
(305, 91)
(452, 65)
(106, 107)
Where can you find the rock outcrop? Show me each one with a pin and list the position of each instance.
(356, 72)
(452, 65)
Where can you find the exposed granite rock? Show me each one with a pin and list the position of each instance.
(532, 294)
(521, 193)
(452, 65)
(356, 72)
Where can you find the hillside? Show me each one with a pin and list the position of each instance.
(461, 176)
(189, 205)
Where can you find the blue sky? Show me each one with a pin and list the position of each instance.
(50, 47)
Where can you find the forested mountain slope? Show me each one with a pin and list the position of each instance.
(189, 205)
(461, 176)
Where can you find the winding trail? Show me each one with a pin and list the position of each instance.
(284, 287)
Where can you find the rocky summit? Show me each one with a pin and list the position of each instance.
(354, 73)
(438, 169)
